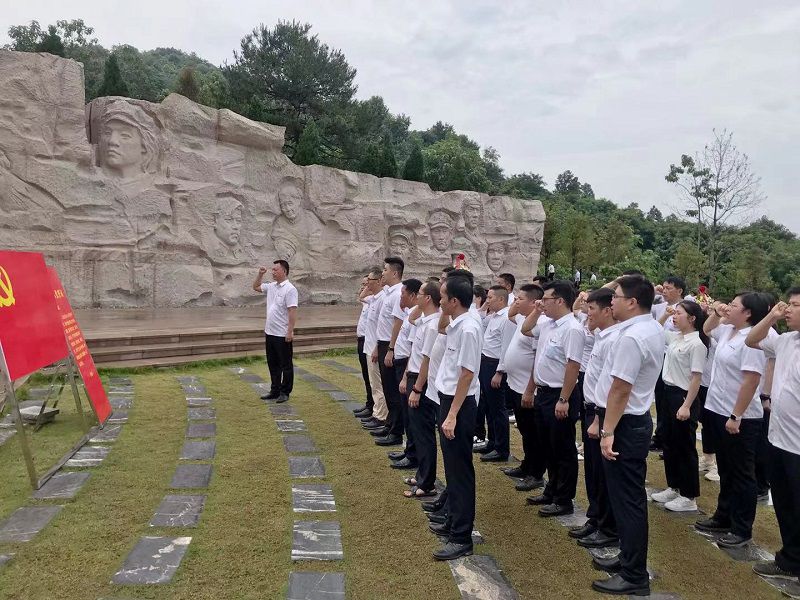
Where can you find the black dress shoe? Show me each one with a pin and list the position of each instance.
(494, 456)
(556, 510)
(389, 440)
(598, 539)
(430, 507)
(396, 455)
(481, 449)
(732, 540)
(282, 398)
(581, 532)
(711, 525)
(270, 396)
(611, 564)
(529, 483)
(451, 551)
(434, 518)
(373, 424)
(362, 409)
(379, 432)
(617, 586)
(514, 471)
(404, 463)
(539, 500)
(364, 412)
(439, 529)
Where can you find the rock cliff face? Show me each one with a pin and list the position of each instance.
(176, 204)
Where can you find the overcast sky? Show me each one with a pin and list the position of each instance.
(614, 90)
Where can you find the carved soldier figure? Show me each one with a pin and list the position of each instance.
(440, 225)
(401, 242)
(296, 231)
(473, 225)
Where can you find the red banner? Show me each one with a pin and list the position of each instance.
(31, 336)
(77, 344)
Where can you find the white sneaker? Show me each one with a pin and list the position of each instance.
(512, 419)
(681, 504)
(702, 466)
(580, 456)
(665, 495)
(477, 443)
(712, 474)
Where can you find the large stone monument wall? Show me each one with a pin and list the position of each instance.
(176, 204)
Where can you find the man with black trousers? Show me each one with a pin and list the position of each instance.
(556, 404)
(458, 387)
(624, 395)
(279, 329)
(361, 329)
(388, 328)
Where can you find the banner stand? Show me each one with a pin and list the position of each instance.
(21, 434)
(75, 393)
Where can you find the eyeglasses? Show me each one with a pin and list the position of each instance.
(373, 278)
(545, 298)
(619, 297)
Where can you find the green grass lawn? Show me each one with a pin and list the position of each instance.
(241, 548)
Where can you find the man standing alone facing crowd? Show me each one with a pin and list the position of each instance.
(279, 328)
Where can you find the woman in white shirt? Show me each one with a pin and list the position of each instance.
(735, 415)
(682, 372)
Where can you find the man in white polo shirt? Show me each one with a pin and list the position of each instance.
(387, 329)
(279, 328)
(784, 432)
(624, 394)
(361, 329)
(459, 389)
(374, 294)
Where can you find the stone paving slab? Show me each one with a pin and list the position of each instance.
(122, 390)
(237, 370)
(195, 391)
(124, 403)
(108, 434)
(315, 586)
(479, 578)
(748, 553)
(299, 443)
(64, 484)
(199, 450)
(251, 378)
(262, 389)
(198, 402)
(24, 523)
(118, 416)
(202, 414)
(6, 434)
(576, 519)
(201, 430)
(39, 393)
(153, 560)
(288, 426)
(317, 497)
(324, 386)
(120, 381)
(5, 558)
(351, 406)
(310, 377)
(178, 511)
(335, 364)
(317, 540)
(340, 396)
(282, 410)
(88, 456)
(188, 379)
(191, 476)
(306, 466)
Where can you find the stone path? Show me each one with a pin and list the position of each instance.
(156, 559)
(319, 540)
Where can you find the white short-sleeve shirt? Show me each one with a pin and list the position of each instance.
(658, 311)
(517, 359)
(280, 298)
(560, 341)
(731, 360)
(435, 344)
(462, 350)
(391, 306)
(603, 340)
(371, 333)
(421, 328)
(361, 328)
(402, 345)
(784, 423)
(686, 355)
(497, 332)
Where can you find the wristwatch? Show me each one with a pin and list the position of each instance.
(390, 349)
(733, 417)
(416, 391)
(562, 400)
(606, 434)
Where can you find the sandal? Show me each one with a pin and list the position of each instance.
(417, 492)
(410, 481)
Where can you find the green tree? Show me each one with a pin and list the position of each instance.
(690, 263)
(308, 147)
(25, 38)
(51, 42)
(414, 167)
(587, 191)
(524, 185)
(567, 184)
(371, 160)
(214, 90)
(187, 85)
(113, 84)
(450, 165)
(575, 240)
(388, 163)
(494, 172)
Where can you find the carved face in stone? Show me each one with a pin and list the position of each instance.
(128, 143)
(121, 146)
(496, 255)
(400, 244)
(228, 221)
(290, 200)
(441, 229)
(473, 213)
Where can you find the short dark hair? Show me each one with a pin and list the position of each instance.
(562, 289)
(433, 290)
(500, 290)
(531, 289)
(462, 273)
(678, 282)
(793, 291)
(460, 288)
(479, 291)
(412, 285)
(396, 264)
(539, 278)
(508, 278)
(633, 272)
(757, 304)
(602, 297)
(375, 271)
(639, 288)
(447, 269)
(282, 263)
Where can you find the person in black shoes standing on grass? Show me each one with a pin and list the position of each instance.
(624, 395)
(361, 332)
(459, 389)
(388, 328)
(556, 404)
(279, 329)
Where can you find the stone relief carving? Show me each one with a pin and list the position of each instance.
(176, 204)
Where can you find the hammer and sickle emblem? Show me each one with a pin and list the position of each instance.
(6, 291)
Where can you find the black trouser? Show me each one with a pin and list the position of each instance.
(399, 370)
(422, 429)
(593, 461)
(658, 437)
(736, 465)
(481, 430)
(362, 359)
(391, 392)
(680, 444)
(625, 479)
(279, 363)
(559, 439)
(495, 401)
(762, 457)
(458, 468)
(784, 469)
(707, 437)
(533, 463)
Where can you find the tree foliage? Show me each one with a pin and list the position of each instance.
(452, 165)
(308, 147)
(414, 167)
(187, 84)
(113, 84)
(51, 42)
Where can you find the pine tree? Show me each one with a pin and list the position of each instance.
(51, 42)
(388, 163)
(371, 161)
(308, 146)
(112, 84)
(414, 168)
(186, 84)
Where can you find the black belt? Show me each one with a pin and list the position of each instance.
(484, 357)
